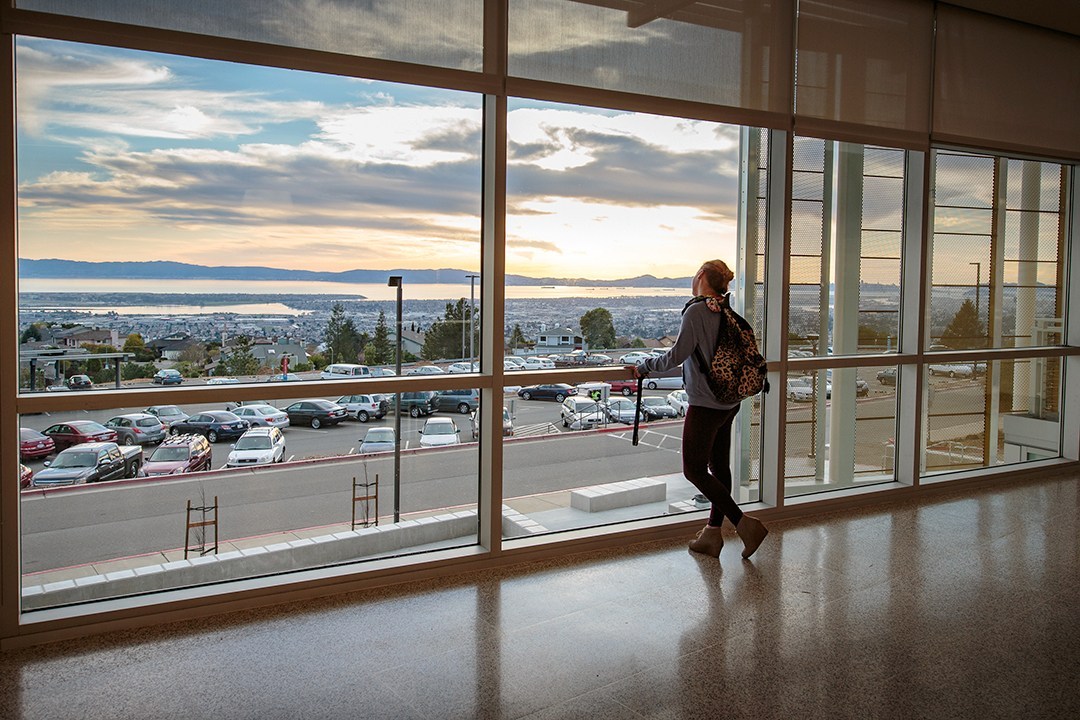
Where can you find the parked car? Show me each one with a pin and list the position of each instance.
(167, 414)
(671, 382)
(580, 413)
(439, 432)
(345, 371)
(623, 386)
(425, 370)
(33, 444)
(634, 357)
(26, 475)
(179, 454)
(213, 424)
(551, 391)
(262, 415)
(136, 429)
(222, 381)
(620, 410)
(539, 363)
(284, 377)
(417, 403)
(382, 372)
(679, 400)
(656, 408)
(799, 390)
(887, 376)
(508, 423)
(79, 382)
(518, 362)
(464, 401)
(316, 413)
(511, 366)
(168, 376)
(90, 462)
(598, 359)
(463, 367)
(76, 432)
(364, 407)
(379, 439)
(953, 370)
(258, 446)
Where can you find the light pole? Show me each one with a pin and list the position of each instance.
(978, 279)
(395, 281)
(472, 331)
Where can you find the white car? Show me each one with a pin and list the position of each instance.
(380, 439)
(464, 367)
(439, 432)
(581, 413)
(425, 370)
(539, 363)
(679, 400)
(262, 415)
(364, 407)
(222, 381)
(674, 382)
(258, 446)
(799, 391)
(634, 357)
(514, 360)
(953, 370)
(511, 366)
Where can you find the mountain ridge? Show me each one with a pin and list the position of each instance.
(172, 270)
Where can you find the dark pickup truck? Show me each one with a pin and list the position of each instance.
(91, 462)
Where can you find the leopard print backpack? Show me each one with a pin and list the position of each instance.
(737, 370)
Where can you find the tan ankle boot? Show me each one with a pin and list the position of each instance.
(709, 541)
(752, 533)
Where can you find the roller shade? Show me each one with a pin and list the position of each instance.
(1006, 85)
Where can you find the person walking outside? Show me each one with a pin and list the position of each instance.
(706, 445)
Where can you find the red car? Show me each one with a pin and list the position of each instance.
(626, 387)
(25, 475)
(79, 431)
(33, 444)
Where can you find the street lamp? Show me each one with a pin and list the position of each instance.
(978, 278)
(395, 282)
(472, 314)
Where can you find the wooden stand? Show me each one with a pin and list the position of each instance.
(202, 548)
(366, 493)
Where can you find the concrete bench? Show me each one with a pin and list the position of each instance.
(598, 498)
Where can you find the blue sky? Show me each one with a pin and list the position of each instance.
(134, 155)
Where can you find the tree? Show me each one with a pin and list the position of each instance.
(517, 337)
(239, 360)
(193, 354)
(31, 333)
(444, 339)
(380, 351)
(964, 330)
(341, 335)
(137, 346)
(598, 329)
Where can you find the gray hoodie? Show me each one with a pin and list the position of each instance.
(699, 329)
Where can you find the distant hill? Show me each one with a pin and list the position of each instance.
(167, 270)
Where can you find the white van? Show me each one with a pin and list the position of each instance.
(345, 371)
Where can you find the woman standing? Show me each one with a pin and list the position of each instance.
(706, 446)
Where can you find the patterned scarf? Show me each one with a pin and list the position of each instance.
(713, 302)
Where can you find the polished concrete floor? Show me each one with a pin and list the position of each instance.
(956, 606)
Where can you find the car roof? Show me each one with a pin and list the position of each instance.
(261, 431)
(90, 446)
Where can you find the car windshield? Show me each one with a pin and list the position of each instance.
(91, 427)
(585, 407)
(440, 429)
(653, 401)
(171, 410)
(169, 454)
(383, 435)
(147, 422)
(254, 442)
(75, 460)
(28, 434)
(266, 410)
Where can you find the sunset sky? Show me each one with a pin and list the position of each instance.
(139, 156)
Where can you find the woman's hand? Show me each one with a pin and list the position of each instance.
(635, 371)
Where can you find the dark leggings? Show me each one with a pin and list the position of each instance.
(706, 452)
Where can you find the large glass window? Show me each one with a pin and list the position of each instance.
(847, 228)
(609, 216)
(997, 265)
(196, 224)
